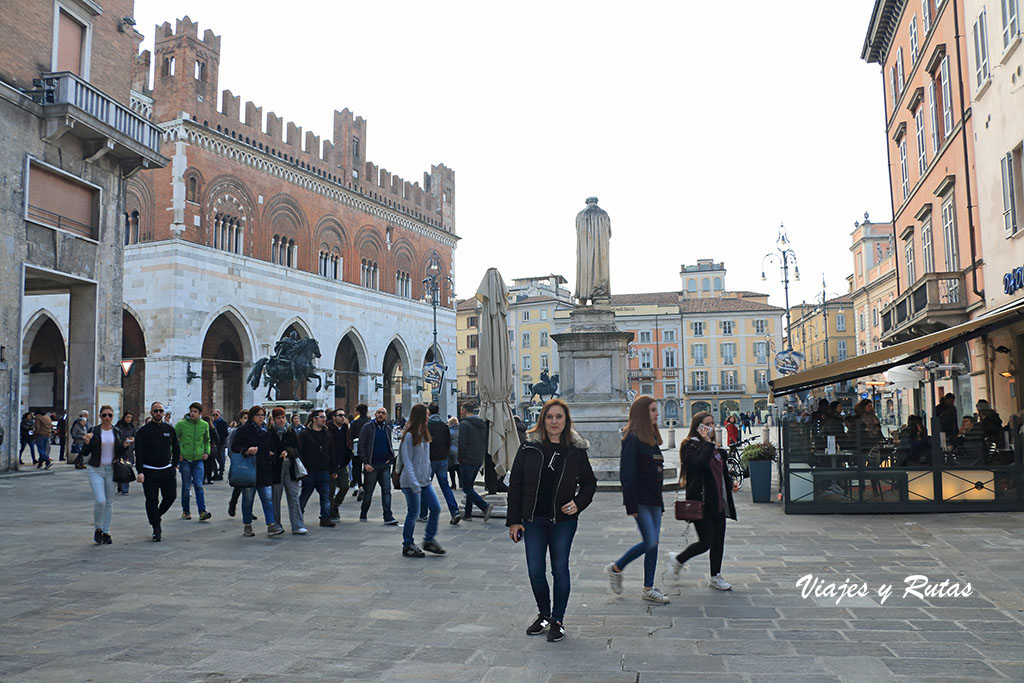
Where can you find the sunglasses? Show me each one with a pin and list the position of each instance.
(157, 410)
(106, 415)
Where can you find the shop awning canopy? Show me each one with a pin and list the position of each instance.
(899, 354)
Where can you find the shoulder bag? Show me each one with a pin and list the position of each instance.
(123, 472)
(243, 470)
(299, 470)
(689, 510)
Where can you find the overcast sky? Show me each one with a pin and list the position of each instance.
(700, 127)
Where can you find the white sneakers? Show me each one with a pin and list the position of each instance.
(654, 595)
(614, 579)
(718, 583)
(674, 563)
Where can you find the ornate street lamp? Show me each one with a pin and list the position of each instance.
(783, 254)
(432, 288)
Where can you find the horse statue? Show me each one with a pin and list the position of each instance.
(547, 386)
(292, 360)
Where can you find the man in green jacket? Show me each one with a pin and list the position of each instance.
(194, 437)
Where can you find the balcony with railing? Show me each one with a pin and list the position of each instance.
(716, 388)
(936, 301)
(73, 106)
(670, 373)
(471, 371)
(641, 373)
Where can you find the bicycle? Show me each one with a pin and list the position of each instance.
(733, 463)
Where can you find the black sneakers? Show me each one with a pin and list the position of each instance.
(538, 626)
(412, 551)
(433, 547)
(98, 537)
(107, 540)
(555, 632)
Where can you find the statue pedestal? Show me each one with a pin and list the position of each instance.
(290, 407)
(592, 359)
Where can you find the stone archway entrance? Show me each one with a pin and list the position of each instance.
(223, 365)
(346, 375)
(394, 374)
(46, 366)
(133, 347)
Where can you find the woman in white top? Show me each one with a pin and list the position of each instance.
(101, 446)
(414, 479)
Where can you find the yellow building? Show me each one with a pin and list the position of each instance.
(467, 341)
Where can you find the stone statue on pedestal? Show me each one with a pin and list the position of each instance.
(593, 233)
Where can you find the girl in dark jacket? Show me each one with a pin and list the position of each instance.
(550, 484)
(126, 425)
(101, 447)
(707, 478)
(641, 473)
(253, 440)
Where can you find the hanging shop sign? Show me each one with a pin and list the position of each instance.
(1014, 280)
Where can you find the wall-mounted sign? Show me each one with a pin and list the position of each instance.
(1014, 280)
(126, 367)
(788, 361)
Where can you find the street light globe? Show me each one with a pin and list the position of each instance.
(763, 278)
(435, 267)
(796, 273)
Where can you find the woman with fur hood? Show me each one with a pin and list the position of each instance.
(550, 484)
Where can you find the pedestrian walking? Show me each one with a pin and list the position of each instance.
(157, 454)
(362, 417)
(706, 478)
(236, 491)
(126, 425)
(377, 456)
(210, 464)
(284, 442)
(221, 426)
(78, 431)
(414, 478)
(42, 430)
(472, 451)
(550, 484)
(297, 425)
(103, 444)
(341, 458)
(316, 449)
(28, 423)
(641, 473)
(194, 438)
(440, 443)
(253, 440)
(453, 452)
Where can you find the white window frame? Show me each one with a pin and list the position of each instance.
(840, 322)
(926, 16)
(947, 97)
(760, 326)
(669, 335)
(699, 379)
(699, 358)
(1010, 224)
(77, 15)
(526, 340)
(933, 114)
(698, 328)
(527, 364)
(544, 337)
(841, 350)
(900, 75)
(543, 314)
(949, 238)
(1011, 21)
(904, 171)
(913, 39)
(892, 87)
(727, 328)
(645, 336)
(545, 361)
(927, 247)
(728, 351)
(646, 359)
(908, 253)
(922, 145)
(525, 316)
(761, 352)
(669, 358)
(981, 64)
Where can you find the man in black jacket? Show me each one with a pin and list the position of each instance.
(377, 455)
(472, 451)
(362, 417)
(316, 450)
(337, 427)
(440, 442)
(157, 454)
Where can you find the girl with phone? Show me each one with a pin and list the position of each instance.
(641, 473)
(550, 484)
(706, 478)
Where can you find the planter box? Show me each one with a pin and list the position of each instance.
(761, 480)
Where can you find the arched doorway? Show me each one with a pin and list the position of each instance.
(671, 410)
(394, 379)
(133, 347)
(761, 409)
(698, 407)
(727, 408)
(288, 388)
(223, 367)
(46, 368)
(346, 375)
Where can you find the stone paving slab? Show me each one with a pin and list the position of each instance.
(342, 604)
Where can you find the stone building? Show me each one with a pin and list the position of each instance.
(71, 146)
(256, 231)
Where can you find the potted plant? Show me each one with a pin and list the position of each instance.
(758, 458)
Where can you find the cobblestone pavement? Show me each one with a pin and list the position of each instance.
(342, 604)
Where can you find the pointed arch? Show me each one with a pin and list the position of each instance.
(139, 199)
(238, 321)
(360, 345)
(44, 360)
(138, 319)
(37, 320)
(303, 328)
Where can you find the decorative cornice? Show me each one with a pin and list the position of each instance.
(223, 145)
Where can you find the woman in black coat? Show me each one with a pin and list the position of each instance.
(253, 440)
(551, 483)
(707, 478)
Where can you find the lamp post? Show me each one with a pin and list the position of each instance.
(432, 288)
(783, 254)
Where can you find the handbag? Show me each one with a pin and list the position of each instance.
(689, 510)
(123, 472)
(299, 470)
(243, 470)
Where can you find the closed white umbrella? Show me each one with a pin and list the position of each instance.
(495, 368)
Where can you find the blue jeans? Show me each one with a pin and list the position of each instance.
(192, 475)
(648, 518)
(43, 448)
(413, 501)
(543, 537)
(439, 468)
(319, 481)
(468, 473)
(381, 474)
(101, 480)
(266, 499)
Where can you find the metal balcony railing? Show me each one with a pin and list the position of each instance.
(716, 388)
(934, 301)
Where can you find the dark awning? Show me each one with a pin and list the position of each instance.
(899, 354)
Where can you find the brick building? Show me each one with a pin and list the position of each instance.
(257, 230)
(71, 143)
